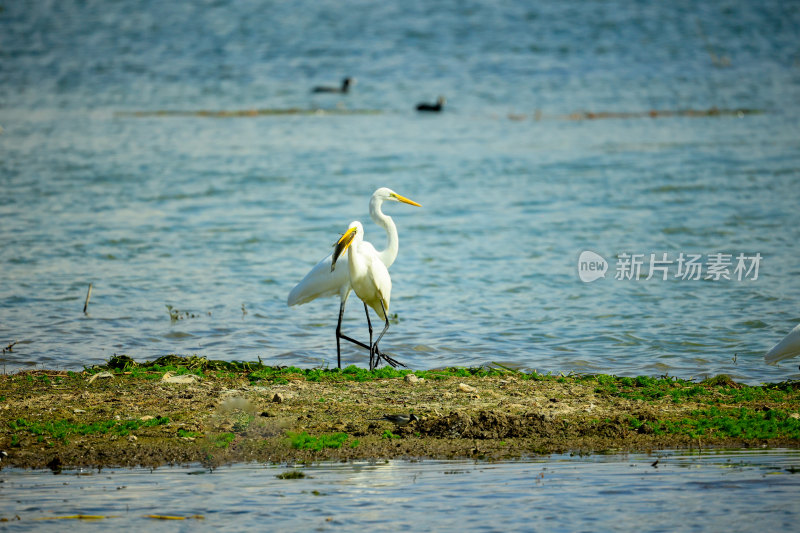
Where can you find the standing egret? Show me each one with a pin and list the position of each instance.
(321, 281)
(369, 278)
(788, 347)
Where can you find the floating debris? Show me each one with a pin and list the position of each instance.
(168, 517)
(76, 517)
(652, 113)
(88, 296)
(292, 474)
(176, 314)
(237, 113)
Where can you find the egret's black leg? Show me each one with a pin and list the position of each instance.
(340, 335)
(379, 354)
(394, 362)
(386, 318)
(369, 327)
(374, 348)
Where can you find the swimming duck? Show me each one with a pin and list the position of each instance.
(432, 107)
(343, 89)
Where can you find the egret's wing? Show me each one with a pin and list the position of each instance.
(321, 282)
(788, 347)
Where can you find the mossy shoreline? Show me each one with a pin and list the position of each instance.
(178, 410)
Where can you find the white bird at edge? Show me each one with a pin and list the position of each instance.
(369, 278)
(322, 282)
(787, 348)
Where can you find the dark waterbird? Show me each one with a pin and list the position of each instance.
(435, 108)
(343, 89)
(400, 420)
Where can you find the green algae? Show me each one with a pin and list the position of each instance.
(742, 422)
(62, 429)
(291, 474)
(222, 440)
(304, 441)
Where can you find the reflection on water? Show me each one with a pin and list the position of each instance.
(666, 491)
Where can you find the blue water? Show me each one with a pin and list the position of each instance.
(220, 217)
(716, 491)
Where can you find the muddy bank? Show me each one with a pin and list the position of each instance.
(186, 412)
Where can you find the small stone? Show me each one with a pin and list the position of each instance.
(132, 438)
(101, 375)
(796, 416)
(411, 379)
(185, 378)
(145, 418)
(78, 411)
(463, 387)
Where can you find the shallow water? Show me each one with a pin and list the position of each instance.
(721, 490)
(220, 217)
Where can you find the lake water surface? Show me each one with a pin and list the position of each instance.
(711, 491)
(220, 217)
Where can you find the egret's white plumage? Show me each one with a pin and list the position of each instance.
(369, 277)
(787, 348)
(322, 282)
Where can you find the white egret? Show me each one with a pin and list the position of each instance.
(369, 278)
(788, 347)
(322, 282)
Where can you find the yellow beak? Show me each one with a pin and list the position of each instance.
(340, 247)
(404, 199)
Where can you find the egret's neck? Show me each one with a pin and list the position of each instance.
(389, 254)
(355, 262)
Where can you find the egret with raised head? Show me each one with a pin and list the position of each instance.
(322, 282)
